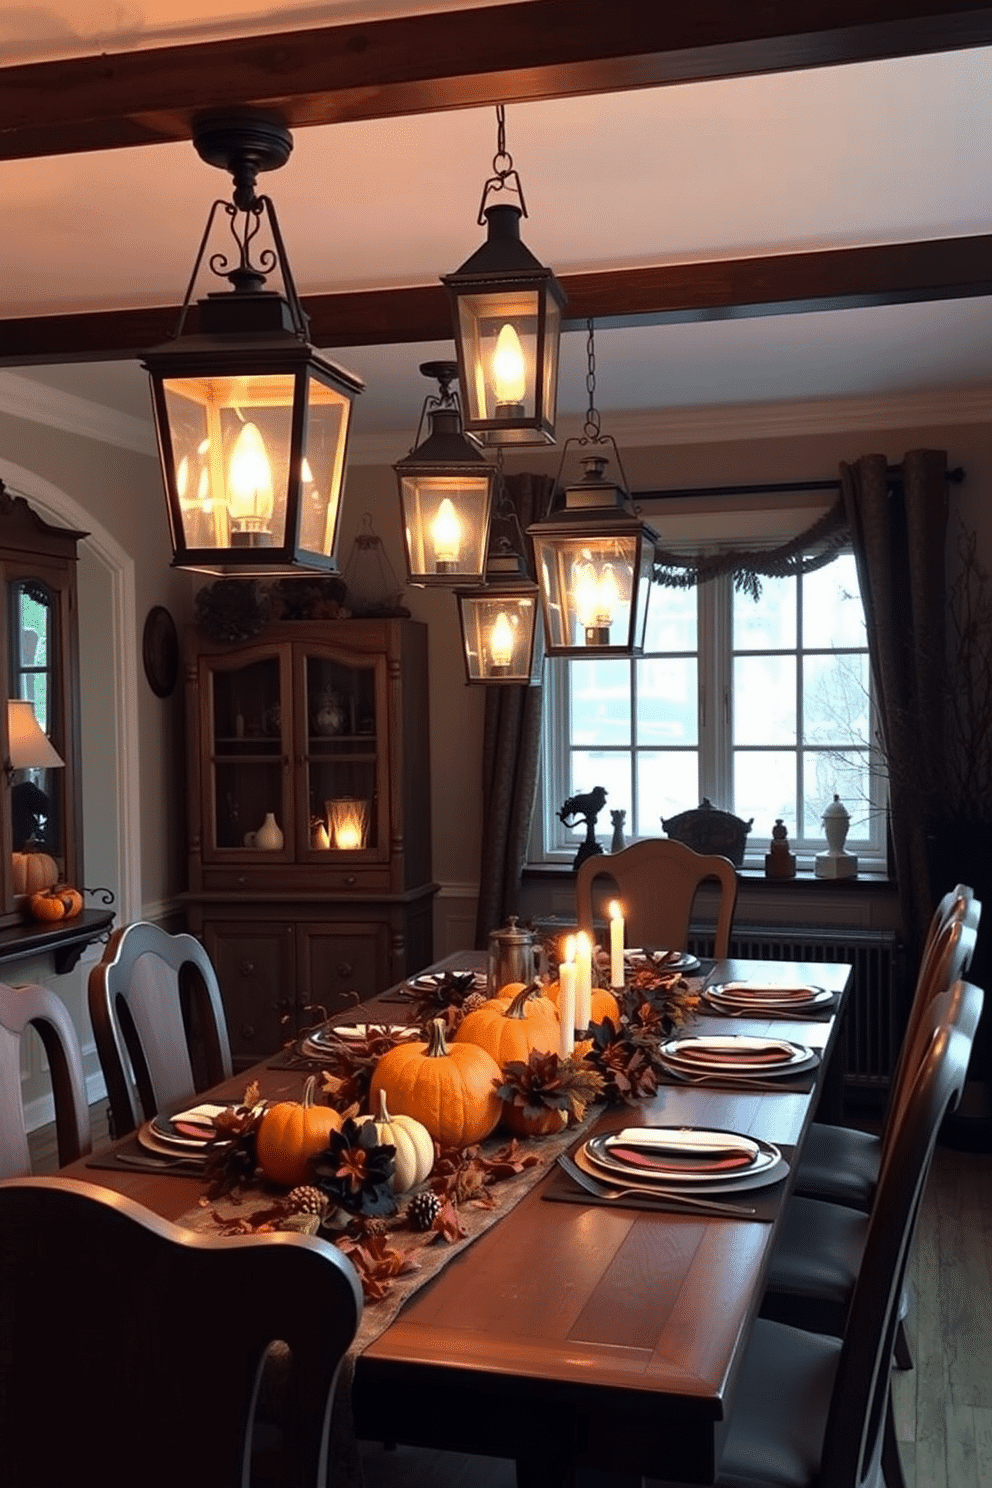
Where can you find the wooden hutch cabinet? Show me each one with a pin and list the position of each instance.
(309, 818)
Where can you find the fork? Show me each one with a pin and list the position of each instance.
(687, 1201)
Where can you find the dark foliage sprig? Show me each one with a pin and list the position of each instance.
(546, 1082)
(355, 1171)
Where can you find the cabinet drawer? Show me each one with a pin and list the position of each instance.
(374, 879)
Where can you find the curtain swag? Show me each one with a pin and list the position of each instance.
(803, 554)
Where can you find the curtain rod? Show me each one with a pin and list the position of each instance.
(894, 472)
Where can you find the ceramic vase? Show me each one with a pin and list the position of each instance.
(269, 835)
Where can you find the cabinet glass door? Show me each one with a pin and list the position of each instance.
(34, 722)
(249, 808)
(345, 713)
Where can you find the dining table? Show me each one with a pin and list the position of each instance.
(578, 1330)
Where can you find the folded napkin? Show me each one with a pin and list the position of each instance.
(196, 1124)
(722, 1051)
(783, 991)
(660, 1150)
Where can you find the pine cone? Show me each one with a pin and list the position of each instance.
(422, 1210)
(473, 1001)
(306, 1200)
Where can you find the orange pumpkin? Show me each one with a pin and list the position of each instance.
(449, 1090)
(60, 902)
(545, 1124)
(33, 871)
(507, 1031)
(603, 1004)
(291, 1133)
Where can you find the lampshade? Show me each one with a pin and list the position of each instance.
(594, 569)
(29, 748)
(252, 421)
(446, 488)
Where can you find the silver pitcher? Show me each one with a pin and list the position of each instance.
(515, 955)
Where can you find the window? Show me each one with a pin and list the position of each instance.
(764, 707)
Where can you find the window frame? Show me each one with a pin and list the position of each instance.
(552, 843)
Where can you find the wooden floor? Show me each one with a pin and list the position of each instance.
(943, 1405)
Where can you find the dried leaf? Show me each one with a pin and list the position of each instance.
(377, 1264)
(447, 1225)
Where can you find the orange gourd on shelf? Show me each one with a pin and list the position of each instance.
(33, 871)
(450, 1089)
(60, 902)
(293, 1132)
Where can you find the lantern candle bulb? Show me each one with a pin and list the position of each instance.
(501, 644)
(583, 981)
(508, 373)
(250, 488)
(616, 945)
(566, 1000)
(446, 531)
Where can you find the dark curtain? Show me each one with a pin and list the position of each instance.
(511, 751)
(898, 529)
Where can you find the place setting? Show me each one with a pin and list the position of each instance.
(740, 1062)
(708, 1172)
(795, 1001)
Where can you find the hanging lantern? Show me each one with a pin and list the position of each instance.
(594, 558)
(446, 487)
(506, 310)
(501, 638)
(252, 421)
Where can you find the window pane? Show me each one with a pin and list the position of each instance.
(835, 699)
(600, 702)
(765, 790)
(845, 775)
(667, 700)
(768, 624)
(764, 700)
(671, 619)
(610, 769)
(833, 614)
(667, 783)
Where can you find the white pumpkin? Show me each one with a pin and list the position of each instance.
(33, 871)
(413, 1142)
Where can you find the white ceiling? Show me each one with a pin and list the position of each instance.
(879, 152)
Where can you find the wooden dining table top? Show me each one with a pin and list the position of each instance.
(607, 1335)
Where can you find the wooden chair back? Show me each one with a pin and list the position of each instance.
(148, 1343)
(38, 1007)
(656, 879)
(154, 1000)
(855, 1435)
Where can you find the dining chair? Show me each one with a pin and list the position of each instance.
(841, 1163)
(814, 1411)
(37, 1007)
(158, 1020)
(140, 1346)
(656, 879)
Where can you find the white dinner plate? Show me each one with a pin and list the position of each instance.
(177, 1131)
(431, 979)
(694, 1156)
(739, 1055)
(328, 1033)
(684, 962)
(745, 997)
(763, 1179)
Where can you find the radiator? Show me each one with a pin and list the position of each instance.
(873, 1021)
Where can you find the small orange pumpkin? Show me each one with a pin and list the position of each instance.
(291, 1133)
(545, 1124)
(449, 1090)
(60, 902)
(508, 1031)
(33, 871)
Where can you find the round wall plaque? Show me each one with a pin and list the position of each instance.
(160, 651)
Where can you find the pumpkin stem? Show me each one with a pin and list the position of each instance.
(517, 1008)
(437, 1047)
(383, 1112)
(309, 1090)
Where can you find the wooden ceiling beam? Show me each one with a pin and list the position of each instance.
(942, 269)
(538, 49)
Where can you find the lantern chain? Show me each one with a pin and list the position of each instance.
(591, 427)
(504, 176)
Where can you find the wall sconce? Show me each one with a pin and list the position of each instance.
(506, 309)
(446, 487)
(348, 823)
(595, 558)
(252, 421)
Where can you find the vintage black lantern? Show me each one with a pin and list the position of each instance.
(506, 312)
(446, 489)
(595, 556)
(252, 421)
(501, 637)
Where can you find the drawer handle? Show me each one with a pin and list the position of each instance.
(351, 878)
(241, 879)
(344, 968)
(247, 968)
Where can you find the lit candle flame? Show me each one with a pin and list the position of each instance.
(249, 480)
(508, 367)
(501, 641)
(446, 531)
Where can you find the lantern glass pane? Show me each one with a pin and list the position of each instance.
(322, 468)
(231, 440)
(498, 631)
(499, 335)
(588, 584)
(446, 522)
(552, 335)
